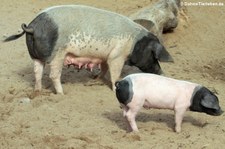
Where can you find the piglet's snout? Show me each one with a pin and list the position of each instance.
(218, 112)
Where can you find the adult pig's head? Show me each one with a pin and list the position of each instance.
(146, 54)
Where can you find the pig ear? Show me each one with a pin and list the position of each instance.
(145, 23)
(161, 53)
(209, 101)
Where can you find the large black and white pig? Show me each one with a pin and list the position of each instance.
(155, 91)
(87, 36)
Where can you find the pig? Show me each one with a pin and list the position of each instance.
(155, 91)
(89, 33)
(158, 18)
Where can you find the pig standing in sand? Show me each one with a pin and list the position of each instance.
(154, 91)
(60, 34)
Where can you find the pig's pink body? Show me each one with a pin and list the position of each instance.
(154, 91)
(161, 92)
(86, 62)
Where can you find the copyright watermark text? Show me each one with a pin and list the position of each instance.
(202, 3)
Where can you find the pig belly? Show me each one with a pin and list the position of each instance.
(87, 62)
(158, 105)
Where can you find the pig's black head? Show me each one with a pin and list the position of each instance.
(205, 101)
(146, 54)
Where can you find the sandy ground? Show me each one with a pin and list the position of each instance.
(89, 116)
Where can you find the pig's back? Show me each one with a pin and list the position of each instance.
(92, 21)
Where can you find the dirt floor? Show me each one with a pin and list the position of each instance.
(89, 116)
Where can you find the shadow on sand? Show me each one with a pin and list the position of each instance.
(118, 118)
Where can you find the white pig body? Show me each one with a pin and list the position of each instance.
(173, 93)
(155, 91)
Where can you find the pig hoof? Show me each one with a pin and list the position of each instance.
(34, 94)
(60, 93)
(178, 130)
(130, 130)
(135, 131)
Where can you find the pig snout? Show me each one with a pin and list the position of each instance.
(218, 112)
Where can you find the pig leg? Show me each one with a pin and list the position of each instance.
(115, 68)
(38, 72)
(125, 109)
(179, 114)
(55, 73)
(130, 116)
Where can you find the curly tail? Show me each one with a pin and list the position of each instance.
(25, 30)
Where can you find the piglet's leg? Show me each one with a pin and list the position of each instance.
(179, 114)
(125, 109)
(55, 74)
(130, 116)
(38, 72)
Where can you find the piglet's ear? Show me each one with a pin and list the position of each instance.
(161, 53)
(209, 102)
